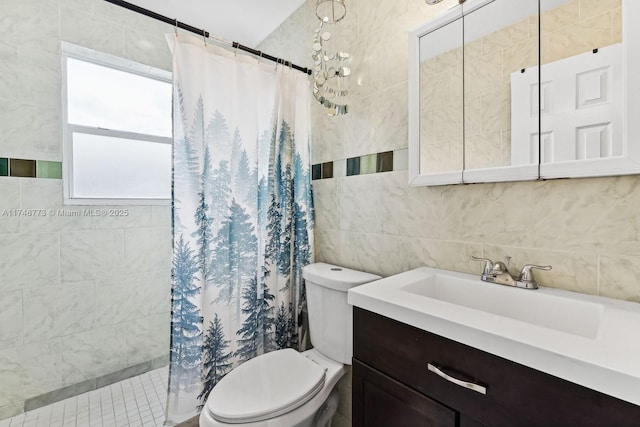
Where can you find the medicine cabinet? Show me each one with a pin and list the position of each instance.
(535, 89)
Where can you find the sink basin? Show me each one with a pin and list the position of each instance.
(588, 340)
(555, 312)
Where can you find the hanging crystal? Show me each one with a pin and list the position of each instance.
(331, 10)
(331, 68)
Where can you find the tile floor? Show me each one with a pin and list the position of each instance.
(137, 401)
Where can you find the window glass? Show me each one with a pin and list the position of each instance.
(120, 168)
(117, 130)
(103, 97)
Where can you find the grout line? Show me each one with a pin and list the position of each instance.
(598, 274)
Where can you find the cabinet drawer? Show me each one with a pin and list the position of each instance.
(515, 394)
(384, 402)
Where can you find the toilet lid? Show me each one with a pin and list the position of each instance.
(265, 387)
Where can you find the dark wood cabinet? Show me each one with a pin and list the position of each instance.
(382, 401)
(393, 385)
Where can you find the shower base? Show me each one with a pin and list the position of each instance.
(136, 401)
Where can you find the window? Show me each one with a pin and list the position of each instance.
(117, 130)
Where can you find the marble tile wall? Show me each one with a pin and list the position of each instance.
(82, 297)
(588, 229)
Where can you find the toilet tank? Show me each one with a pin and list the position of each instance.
(330, 317)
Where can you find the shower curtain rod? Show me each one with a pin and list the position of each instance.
(202, 32)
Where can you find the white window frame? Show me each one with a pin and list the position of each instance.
(89, 55)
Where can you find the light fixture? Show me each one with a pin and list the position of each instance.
(330, 11)
(331, 65)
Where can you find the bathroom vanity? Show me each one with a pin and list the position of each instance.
(393, 386)
(431, 351)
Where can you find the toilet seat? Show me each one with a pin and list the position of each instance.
(265, 387)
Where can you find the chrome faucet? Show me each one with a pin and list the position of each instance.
(497, 272)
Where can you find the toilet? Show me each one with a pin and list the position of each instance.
(285, 388)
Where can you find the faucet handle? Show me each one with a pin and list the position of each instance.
(526, 275)
(499, 267)
(488, 264)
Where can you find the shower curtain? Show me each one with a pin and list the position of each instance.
(242, 214)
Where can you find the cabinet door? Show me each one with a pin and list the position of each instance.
(589, 88)
(380, 401)
(517, 396)
(501, 115)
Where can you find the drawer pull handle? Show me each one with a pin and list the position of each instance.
(471, 386)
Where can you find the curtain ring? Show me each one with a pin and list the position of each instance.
(176, 27)
(204, 37)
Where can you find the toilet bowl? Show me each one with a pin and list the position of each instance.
(291, 400)
(286, 388)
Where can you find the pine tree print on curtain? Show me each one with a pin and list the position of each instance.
(186, 320)
(242, 215)
(217, 361)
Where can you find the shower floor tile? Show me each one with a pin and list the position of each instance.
(137, 401)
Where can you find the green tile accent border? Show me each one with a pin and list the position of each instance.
(401, 159)
(340, 168)
(386, 161)
(28, 168)
(327, 170)
(22, 168)
(368, 164)
(45, 169)
(353, 166)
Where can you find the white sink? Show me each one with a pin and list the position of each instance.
(554, 311)
(589, 340)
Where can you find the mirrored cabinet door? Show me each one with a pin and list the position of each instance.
(436, 102)
(501, 90)
(534, 89)
(589, 86)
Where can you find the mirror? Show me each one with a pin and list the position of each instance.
(586, 57)
(500, 48)
(436, 102)
(441, 96)
(514, 119)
